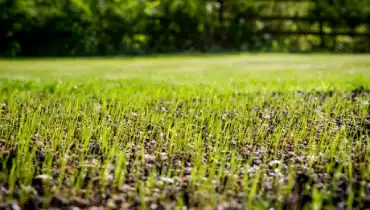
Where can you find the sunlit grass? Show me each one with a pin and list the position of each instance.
(243, 131)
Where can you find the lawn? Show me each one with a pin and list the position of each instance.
(249, 131)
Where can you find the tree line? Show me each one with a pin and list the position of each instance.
(120, 27)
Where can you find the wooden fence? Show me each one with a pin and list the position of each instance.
(344, 29)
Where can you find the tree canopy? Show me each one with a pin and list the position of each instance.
(116, 27)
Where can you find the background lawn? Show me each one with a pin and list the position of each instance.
(270, 70)
(186, 132)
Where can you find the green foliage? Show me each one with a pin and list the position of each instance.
(111, 27)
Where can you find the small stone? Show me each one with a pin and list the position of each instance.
(43, 177)
(257, 162)
(149, 158)
(244, 150)
(274, 163)
(110, 177)
(341, 205)
(12, 205)
(125, 206)
(118, 198)
(154, 206)
(125, 188)
(167, 180)
(163, 156)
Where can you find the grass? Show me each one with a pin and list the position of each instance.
(181, 132)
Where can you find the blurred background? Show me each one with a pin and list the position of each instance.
(139, 27)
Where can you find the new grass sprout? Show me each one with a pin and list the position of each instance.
(186, 132)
